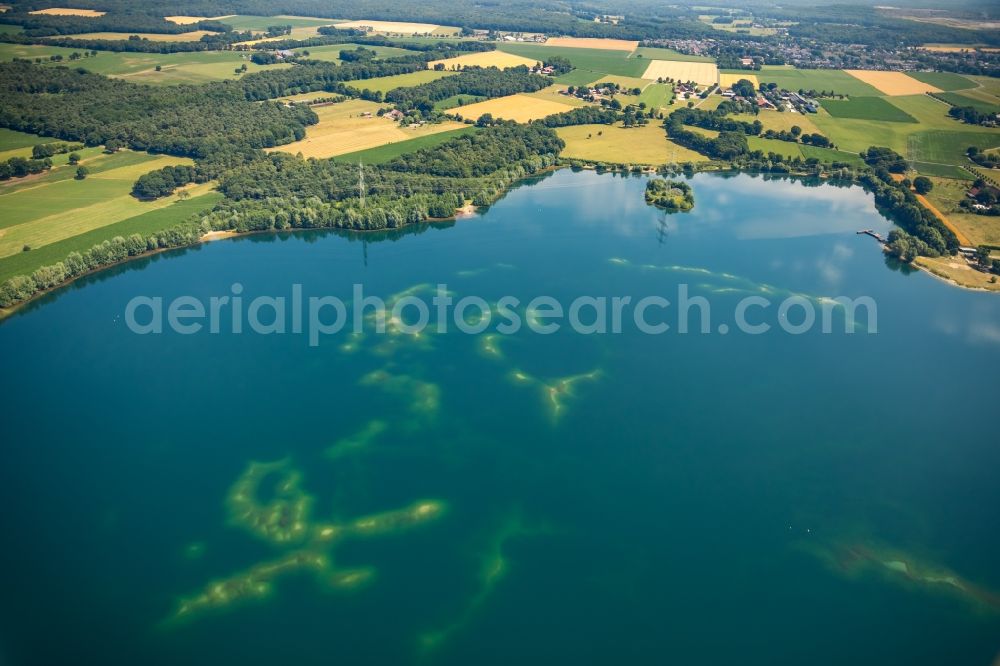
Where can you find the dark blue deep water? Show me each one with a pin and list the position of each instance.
(534, 499)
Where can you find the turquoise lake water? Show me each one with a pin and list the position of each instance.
(476, 499)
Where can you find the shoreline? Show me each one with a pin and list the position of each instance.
(465, 212)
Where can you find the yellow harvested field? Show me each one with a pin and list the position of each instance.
(519, 108)
(727, 80)
(892, 83)
(343, 128)
(395, 27)
(615, 144)
(957, 48)
(62, 11)
(702, 73)
(497, 59)
(188, 20)
(193, 36)
(593, 43)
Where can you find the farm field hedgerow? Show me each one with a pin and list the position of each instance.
(867, 108)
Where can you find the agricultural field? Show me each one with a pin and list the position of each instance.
(726, 79)
(457, 100)
(23, 263)
(193, 36)
(343, 128)
(398, 27)
(944, 147)
(578, 77)
(498, 59)
(782, 121)
(739, 24)
(942, 171)
(381, 154)
(892, 83)
(63, 11)
(12, 144)
(943, 80)
(625, 82)
(54, 206)
(960, 99)
(520, 108)
(262, 23)
(597, 61)
(980, 229)
(867, 108)
(553, 93)
(332, 53)
(195, 67)
(592, 43)
(614, 144)
(386, 83)
(834, 80)
(702, 73)
(656, 53)
(657, 95)
(188, 20)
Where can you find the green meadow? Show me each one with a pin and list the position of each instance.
(838, 81)
(196, 67)
(11, 140)
(654, 53)
(600, 61)
(943, 80)
(959, 99)
(386, 83)
(55, 206)
(657, 95)
(332, 53)
(23, 263)
(867, 108)
(457, 100)
(246, 22)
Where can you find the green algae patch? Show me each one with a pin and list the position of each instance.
(284, 521)
(555, 392)
(357, 442)
(853, 559)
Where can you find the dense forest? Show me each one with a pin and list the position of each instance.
(190, 121)
(486, 82)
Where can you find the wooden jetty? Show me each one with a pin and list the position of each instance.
(874, 234)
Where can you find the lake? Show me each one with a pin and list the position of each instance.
(451, 498)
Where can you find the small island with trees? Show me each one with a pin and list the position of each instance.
(671, 195)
